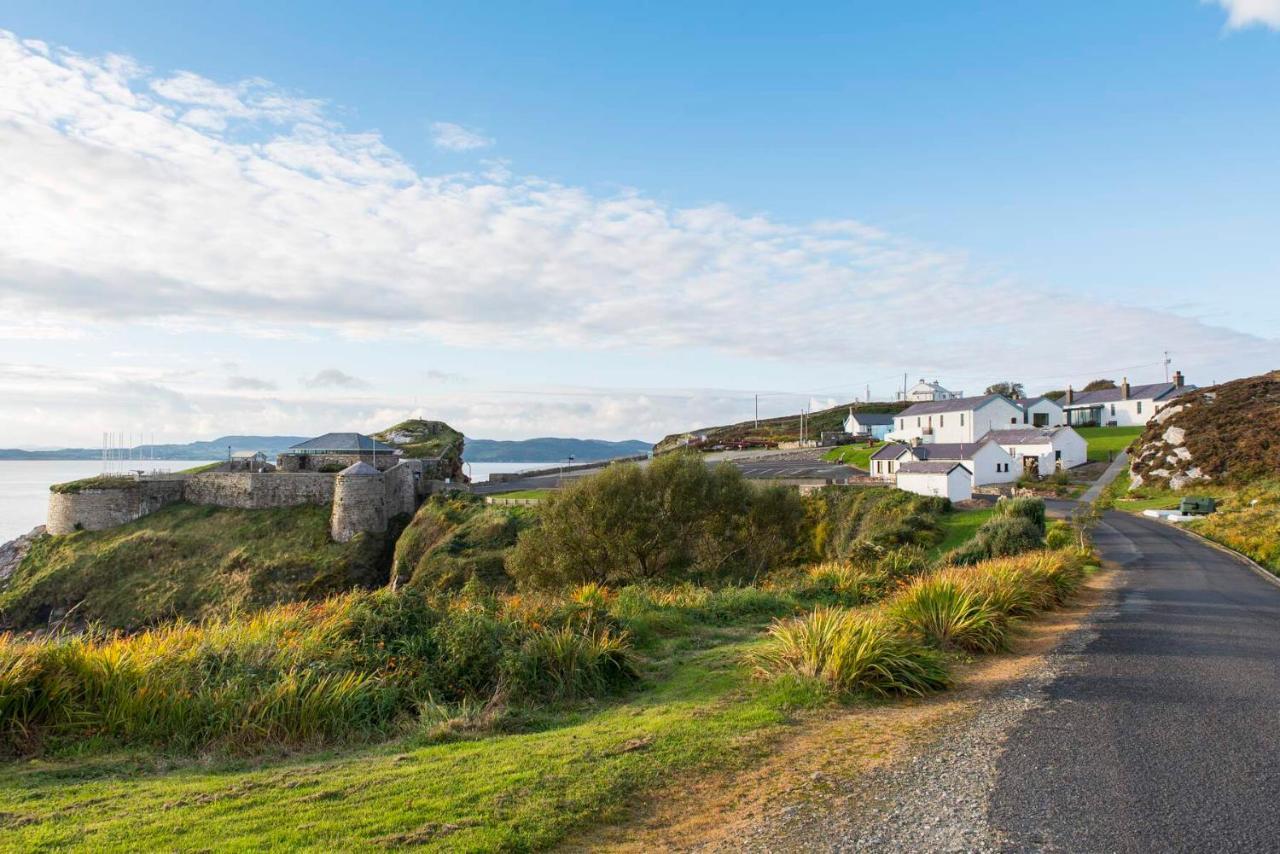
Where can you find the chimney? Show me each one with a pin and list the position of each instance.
(1178, 380)
(1124, 389)
(1071, 395)
(915, 441)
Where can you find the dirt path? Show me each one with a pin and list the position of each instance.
(906, 775)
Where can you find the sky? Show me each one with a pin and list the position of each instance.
(619, 221)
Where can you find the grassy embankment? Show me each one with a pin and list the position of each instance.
(188, 561)
(534, 494)
(858, 456)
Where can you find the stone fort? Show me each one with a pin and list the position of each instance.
(365, 482)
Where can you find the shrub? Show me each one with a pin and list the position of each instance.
(999, 536)
(944, 614)
(565, 663)
(1059, 535)
(851, 653)
(673, 520)
(1026, 508)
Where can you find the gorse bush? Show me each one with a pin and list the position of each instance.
(1031, 509)
(675, 519)
(851, 653)
(1005, 533)
(948, 614)
(845, 521)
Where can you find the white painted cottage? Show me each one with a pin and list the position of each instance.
(925, 391)
(1042, 450)
(985, 460)
(874, 424)
(1042, 412)
(945, 479)
(1124, 406)
(963, 419)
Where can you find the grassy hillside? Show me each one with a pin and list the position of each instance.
(421, 439)
(450, 540)
(782, 429)
(190, 562)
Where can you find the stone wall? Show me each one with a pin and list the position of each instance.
(313, 462)
(359, 506)
(401, 488)
(254, 491)
(99, 509)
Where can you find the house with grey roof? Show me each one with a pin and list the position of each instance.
(1123, 406)
(985, 460)
(1042, 412)
(925, 392)
(963, 419)
(944, 479)
(334, 452)
(1041, 451)
(875, 425)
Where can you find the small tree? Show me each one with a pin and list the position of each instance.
(1013, 390)
(1099, 385)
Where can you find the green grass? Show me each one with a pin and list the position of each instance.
(188, 561)
(201, 469)
(1106, 442)
(526, 493)
(959, 526)
(858, 456)
(515, 791)
(100, 481)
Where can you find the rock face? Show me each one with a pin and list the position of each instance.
(12, 553)
(421, 439)
(1230, 432)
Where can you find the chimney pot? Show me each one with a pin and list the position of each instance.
(1124, 388)
(1071, 395)
(1178, 380)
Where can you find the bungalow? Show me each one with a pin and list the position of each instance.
(1124, 406)
(1042, 451)
(946, 479)
(962, 419)
(986, 461)
(923, 392)
(873, 424)
(336, 451)
(1042, 412)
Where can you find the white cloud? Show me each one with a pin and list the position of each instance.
(453, 137)
(1248, 13)
(334, 378)
(264, 216)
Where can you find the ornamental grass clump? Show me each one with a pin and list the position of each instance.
(941, 611)
(851, 653)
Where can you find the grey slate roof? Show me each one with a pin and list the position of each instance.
(1153, 391)
(342, 443)
(960, 404)
(1023, 436)
(361, 469)
(1028, 402)
(933, 467)
(952, 451)
(874, 418)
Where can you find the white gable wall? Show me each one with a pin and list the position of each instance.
(960, 426)
(1052, 412)
(1067, 446)
(888, 469)
(990, 464)
(956, 485)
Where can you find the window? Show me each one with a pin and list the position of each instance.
(941, 420)
(918, 421)
(1139, 407)
(902, 423)
(1057, 455)
(961, 419)
(1113, 409)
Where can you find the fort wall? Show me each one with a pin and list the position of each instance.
(259, 491)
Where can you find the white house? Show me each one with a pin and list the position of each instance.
(924, 391)
(1125, 406)
(1042, 412)
(963, 419)
(949, 480)
(986, 461)
(1042, 450)
(873, 424)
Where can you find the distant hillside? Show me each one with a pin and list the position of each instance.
(783, 429)
(215, 449)
(550, 450)
(1228, 433)
(422, 439)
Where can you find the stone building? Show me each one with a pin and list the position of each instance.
(334, 452)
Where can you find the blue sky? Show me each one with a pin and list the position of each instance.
(1100, 177)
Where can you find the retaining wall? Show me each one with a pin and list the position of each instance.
(99, 509)
(259, 491)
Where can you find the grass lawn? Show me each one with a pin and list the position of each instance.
(517, 791)
(959, 526)
(1106, 442)
(854, 455)
(525, 493)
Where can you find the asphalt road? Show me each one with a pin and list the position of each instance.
(1166, 736)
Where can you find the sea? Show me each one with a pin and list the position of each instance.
(24, 484)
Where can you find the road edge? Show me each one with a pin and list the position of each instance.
(1257, 568)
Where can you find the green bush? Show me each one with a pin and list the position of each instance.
(1059, 535)
(674, 519)
(1026, 508)
(943, 613)
(999, 536)
(566, 663)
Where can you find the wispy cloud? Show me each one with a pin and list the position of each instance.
(334, 378)
(250, 384)
(1250, 13)
(453, 137)
(265, 214)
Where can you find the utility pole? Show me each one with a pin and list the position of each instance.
(757, 412)
(1166, 365)
(868, 393)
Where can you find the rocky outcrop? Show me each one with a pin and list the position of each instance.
(420, 439)
(1230, 432)
(12, 553)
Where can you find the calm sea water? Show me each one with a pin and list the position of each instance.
(24, 485)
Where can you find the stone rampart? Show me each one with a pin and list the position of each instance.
(99, 509)
(259, 491)
(359, 504)
(400, 485)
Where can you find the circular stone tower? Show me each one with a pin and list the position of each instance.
(359, 503)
